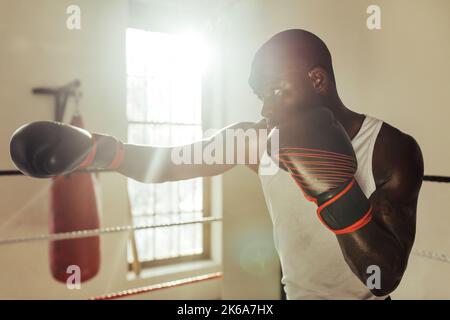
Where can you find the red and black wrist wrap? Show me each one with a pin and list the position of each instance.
(327, 179)
(106, 153)
(345, 210)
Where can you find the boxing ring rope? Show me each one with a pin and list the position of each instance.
(118, 229)
(95, 232)
(61, 95)
(429, 178)
(160, 286)
(443, 179)
(4, 173)
(442, 257)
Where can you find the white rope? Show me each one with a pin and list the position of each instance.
(431, 255)
(155, 287)
(95, 232)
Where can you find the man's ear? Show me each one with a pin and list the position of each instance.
(320, 80)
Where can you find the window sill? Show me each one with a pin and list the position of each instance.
(175, 271)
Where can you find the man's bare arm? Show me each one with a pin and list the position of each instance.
(153, 164)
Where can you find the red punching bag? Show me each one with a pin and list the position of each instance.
(73, 207)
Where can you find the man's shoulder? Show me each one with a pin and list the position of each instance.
(392, 139)
(395, 153)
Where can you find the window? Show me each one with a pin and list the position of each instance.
(164, 108)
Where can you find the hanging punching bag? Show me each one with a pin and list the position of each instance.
(73, 207)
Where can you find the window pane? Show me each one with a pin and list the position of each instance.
(164, 109)
(136, 98)
(163, 134)
(167, 70)
(137, 48)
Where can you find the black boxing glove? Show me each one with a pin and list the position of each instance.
(315, 149)
(46, 149)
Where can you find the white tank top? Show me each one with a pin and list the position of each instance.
(311, 260)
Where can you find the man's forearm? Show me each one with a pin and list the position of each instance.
(155, 165)
(374, 245)
(145, 163)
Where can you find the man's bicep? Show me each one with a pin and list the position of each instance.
(407, 173)
(395, 202)
(395, 215)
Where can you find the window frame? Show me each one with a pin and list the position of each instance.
(206, 230)
(206, 190)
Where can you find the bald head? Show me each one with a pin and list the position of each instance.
(291, 51)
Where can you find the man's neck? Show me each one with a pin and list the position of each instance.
(350, 120)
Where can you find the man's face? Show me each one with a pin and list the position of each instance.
(283, 90)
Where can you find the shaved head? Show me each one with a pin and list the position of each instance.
(290, 51)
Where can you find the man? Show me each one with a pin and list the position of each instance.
(361, 175)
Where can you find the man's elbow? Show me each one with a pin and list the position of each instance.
(388, 284)
(385, 289)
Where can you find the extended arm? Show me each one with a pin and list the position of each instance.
(45, 149)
